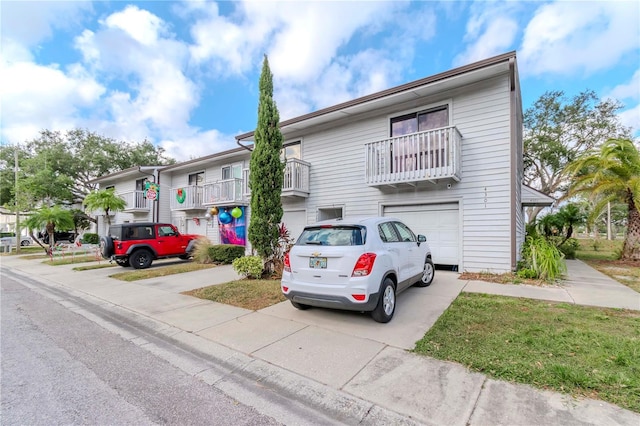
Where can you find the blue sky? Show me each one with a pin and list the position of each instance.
(184, 75)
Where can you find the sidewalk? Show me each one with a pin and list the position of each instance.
(345, 364)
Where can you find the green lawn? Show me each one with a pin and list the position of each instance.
(584, 351)
(248, 294)
(160, 271)
(598, 249)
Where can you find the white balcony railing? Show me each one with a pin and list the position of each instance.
(187, 198)
(423, 156)
(135, 201)
(296, 177)
(295, 181)
(228, 191)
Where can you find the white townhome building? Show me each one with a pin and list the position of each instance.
(443, 153)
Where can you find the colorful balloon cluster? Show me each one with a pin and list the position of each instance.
(224, 216)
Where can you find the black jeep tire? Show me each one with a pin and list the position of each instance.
(123, 262)
(185, 256)
(140, 259)
(106, 247)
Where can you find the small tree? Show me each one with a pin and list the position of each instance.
(613, 173)
(104, 199)
(267, 172)
(50, 218)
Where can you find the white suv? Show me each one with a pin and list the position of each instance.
(356, 264)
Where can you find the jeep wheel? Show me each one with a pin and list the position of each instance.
(123, 262)
(185, 256)
(140, 259)
(106, 247)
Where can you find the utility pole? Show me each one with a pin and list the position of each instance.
(609, 236)
(18, 236)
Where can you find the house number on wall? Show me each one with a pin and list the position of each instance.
(485, 197)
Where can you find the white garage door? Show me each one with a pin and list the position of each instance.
(295, 221)
(440, 224)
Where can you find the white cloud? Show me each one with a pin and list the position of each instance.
(196, 144)
(491, 30)
(568, 37)
(140, 25)
(631, 118)
(630, 90)
(37, 97)
(28, 23)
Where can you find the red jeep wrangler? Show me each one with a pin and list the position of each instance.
(138, 244)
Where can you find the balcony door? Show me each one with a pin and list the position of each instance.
(413, 153)
(232, 190)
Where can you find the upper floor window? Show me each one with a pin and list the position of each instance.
(291, 150)
(420, 121)
(140, 184)
(196, 179)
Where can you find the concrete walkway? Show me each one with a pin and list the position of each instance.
(344, 363)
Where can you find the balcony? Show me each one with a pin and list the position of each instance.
(295, 182)
(296, 178)
(187, 198)
(225, 193)
(425, 156)
(135, 202)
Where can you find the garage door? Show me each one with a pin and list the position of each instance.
(294, 220)
(440, 224)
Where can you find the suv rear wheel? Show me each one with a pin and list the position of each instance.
(386, 303)
(140, 259)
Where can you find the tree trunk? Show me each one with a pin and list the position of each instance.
(631, 247)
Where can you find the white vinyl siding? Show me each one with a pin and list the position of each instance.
(481, 113)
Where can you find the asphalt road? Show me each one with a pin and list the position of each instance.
(60, 368)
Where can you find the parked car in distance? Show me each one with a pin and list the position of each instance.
(357, 264)
(10, 238)
(58, 236)
(139, 244)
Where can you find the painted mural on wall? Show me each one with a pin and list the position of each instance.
(233, 226)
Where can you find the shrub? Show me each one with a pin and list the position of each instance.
(90, 238)
(569, 248)
(543, 257)
(225, 253)
(248, 266)
(201, 251)
(526, 273)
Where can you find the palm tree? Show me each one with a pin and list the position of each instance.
(613, 173)
(104, 199)
(50, 218)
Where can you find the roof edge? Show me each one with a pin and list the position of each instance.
(398, 89)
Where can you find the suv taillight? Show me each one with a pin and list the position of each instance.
(287, 262)
(364, 265)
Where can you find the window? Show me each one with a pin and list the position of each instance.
(196, 179)
(140, 184)
(406, 234)
(329, 213)
(388, 233)
(291, 150)
(333, 236)
(420, 121)
(420, 152)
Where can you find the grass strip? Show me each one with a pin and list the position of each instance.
(90, 267)
(248, 294)
(68, 260)
(160, 271)
(582, 351)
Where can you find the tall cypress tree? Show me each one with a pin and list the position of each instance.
(267, 172)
